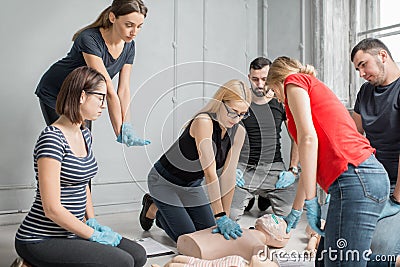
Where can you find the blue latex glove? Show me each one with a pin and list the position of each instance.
(292, 219)
(239, 178)
(390, 209)
(127, 136)
(96, 226)
(286, 178)
(314, 215)
(228, 228)
(106, 238)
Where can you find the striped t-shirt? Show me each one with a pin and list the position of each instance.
(75, 174)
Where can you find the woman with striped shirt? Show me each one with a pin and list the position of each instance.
(54, 232)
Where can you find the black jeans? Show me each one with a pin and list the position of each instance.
(182, 208)
(65, 252)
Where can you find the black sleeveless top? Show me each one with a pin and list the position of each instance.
(182, 160)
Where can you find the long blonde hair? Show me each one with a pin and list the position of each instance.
(119, 8)
(232, 90)
(284, 66)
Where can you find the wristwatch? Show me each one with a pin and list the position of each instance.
(294, 170)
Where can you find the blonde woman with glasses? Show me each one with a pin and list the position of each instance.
(205, 154)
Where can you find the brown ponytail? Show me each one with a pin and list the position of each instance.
(101, 21)
(119, 8)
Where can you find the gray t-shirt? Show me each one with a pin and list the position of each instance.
(91, 42)
(379, 110)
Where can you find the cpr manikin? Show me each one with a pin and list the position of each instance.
(203, 247)
(274, 229)
(229, 261)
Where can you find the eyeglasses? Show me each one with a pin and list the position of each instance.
(96, 93)
(233, 115)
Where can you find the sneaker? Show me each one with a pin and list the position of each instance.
(263, 203)
(145, 222)
(250, 205)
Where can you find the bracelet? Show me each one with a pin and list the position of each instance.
(392, 198)
(220, 214)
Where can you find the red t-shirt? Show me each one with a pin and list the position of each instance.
(339, 142)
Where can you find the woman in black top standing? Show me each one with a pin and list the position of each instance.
(106, 45)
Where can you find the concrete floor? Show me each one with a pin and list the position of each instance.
(127, 225)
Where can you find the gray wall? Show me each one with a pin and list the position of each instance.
(289, 34)
(33, 36)
(186, 49)
(289, 29)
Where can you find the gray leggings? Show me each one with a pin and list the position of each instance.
(65, 252)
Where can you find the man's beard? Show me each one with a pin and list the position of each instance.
(257, 91)
(381, 76)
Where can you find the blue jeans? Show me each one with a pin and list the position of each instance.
(181, 209)
(357, 199)
(385, 241)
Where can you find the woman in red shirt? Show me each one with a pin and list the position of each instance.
(334, 155)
